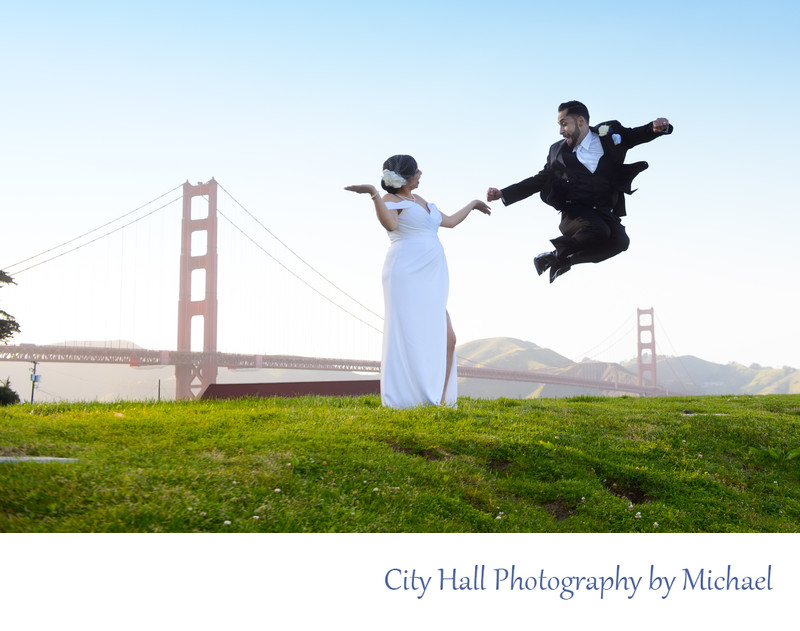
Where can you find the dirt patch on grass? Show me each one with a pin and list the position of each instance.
(12, 452)
(499, 466)
(559, 509)
(432, 453)
(630, 491)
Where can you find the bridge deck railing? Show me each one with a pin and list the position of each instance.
(142, 357)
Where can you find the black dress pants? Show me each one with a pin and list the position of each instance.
(589, 235)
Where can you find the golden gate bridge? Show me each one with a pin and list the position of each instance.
(196, 370)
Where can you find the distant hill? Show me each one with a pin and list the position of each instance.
(696, 376)
(505, 353)
(510, 354)
(687, 375)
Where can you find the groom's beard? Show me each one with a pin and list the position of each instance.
(572, 139)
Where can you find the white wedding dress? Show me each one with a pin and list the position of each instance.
(415, 288)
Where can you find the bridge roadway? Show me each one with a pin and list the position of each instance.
(142, 357)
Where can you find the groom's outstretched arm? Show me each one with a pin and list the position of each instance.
(646, 133)
(520, 190)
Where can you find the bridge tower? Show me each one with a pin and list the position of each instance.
(194, 375)
(647, 345)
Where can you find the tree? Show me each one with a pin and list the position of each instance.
(7, 395)
(8, 325)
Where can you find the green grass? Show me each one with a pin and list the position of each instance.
(348, 465)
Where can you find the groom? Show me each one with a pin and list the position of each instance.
(586, 179)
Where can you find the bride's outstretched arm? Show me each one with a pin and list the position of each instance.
(451, 221)
(388, 218)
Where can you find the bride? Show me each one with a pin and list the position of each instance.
(418, 360)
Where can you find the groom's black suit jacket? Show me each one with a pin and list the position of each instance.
(552, 182)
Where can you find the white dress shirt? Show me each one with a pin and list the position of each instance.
(589, 151)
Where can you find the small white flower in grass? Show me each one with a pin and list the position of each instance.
(375, 490)
(655, 525)
(583, 499)
(630, 506)
(637, 516)
(256, 517)
(227, 522)
(235, 483)
(499, 517)
(203, 514)
(190, 508)
(277, 490)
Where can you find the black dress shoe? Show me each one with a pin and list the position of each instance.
(559, 270)
(544, 262)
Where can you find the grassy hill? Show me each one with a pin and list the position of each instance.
(510, 354)
(587, 464)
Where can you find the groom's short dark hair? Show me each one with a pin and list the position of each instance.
(575, 108)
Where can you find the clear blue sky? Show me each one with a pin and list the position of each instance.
(107, 105)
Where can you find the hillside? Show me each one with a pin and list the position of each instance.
(315, 464)
(693, 375)
(688, 374)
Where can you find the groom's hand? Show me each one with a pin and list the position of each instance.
(492, 195)
(660, 125)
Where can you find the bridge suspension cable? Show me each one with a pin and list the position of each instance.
(676, 357)
(302, 280)
(9, 268)
(300, 258)
(630, 324)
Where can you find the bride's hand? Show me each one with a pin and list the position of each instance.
(482, 206)
(362, 188)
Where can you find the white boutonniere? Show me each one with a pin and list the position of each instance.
(603, 131)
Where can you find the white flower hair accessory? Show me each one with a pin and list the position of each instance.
(390, 178)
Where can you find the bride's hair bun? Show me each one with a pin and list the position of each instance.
(402, 165)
